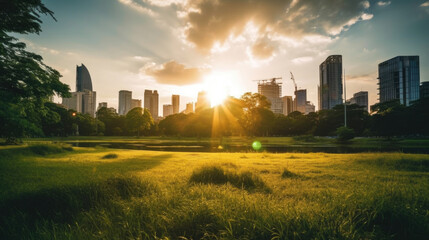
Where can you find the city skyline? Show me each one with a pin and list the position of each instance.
(122, 55)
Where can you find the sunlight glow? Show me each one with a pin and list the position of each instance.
(219, 84)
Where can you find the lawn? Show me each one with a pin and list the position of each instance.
(56, 192)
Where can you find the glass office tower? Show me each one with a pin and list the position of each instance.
(399, 78)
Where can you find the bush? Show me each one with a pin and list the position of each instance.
(217, 175)
(110, 156)
(344, 134)
(288, 174)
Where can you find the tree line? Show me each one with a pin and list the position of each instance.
(249, 115)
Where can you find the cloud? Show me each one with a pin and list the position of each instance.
(425, 4)
(210, 23)
(263, 49)
(174, 73)
(381, 3)
(138, 7)
(302, 60)
(369, 78)
(164, 3)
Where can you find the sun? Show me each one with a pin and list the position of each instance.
(218, 85)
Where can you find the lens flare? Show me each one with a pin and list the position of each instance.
(256, 145)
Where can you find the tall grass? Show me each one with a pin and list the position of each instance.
(360, 196)
(218, 175)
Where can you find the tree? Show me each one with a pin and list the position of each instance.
(138, 119)
(257, 118)
(26, 83)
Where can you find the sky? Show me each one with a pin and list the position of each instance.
(221, 46)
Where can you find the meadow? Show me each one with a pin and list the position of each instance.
(54, 191)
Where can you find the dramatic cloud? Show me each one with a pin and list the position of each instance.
(381, 3)
(174, 73)
(214, 23)
(263, 49)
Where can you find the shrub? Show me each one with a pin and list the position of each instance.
(288, 174)
(217, 175)
(344, 134)
(110, 156)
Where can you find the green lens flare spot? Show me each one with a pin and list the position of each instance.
(256, 145)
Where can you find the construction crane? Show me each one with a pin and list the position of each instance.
(293, 79)
(273, 80)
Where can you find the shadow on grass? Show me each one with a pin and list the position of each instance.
(63, 204)
(401, 164)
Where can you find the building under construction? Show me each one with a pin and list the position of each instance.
(272, 90)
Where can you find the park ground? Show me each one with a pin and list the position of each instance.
(54, 191)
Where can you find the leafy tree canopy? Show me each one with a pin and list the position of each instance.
(26, 83)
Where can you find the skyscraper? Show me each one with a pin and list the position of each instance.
(272, 90)
(424, 90)
(287, 105)
(151, 102)
(124, 102)
(101, 105)
(83, 79)
(300, 100)
(331, 86)
(399, 78)
(361, 99)
(167, 109)
(84, 99)
(136, 103)
(189, 108)
(202, 101)
(175, 101)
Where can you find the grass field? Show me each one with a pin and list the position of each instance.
(55, 192)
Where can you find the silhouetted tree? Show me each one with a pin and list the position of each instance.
(26, 83)
(138, 119)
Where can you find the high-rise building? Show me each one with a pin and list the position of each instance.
(189, 108)
(124, 106)
(300, 100)
(84, 99)
(424, 90)
(272, 90)
(167, 109)
(309, 107)
(83, 79)
(202, 101)
(175, 101)
(331, 86)
(151, 99)
(287, 105)
(361, 99)
(101, 105)
(136, 103)
(399, 78)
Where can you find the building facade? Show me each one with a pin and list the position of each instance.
(124, 106)
(167, 110)
(424, 90)
(361, 99)
(272, 90)
(175, 101)
(202, 101)
(84, 99)
(101, 105)
(136, 103)
(287, 104)
(189, 108)
(151, 100)
(330, 85)
(399, 79)
(300, 100)
(83, 79)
